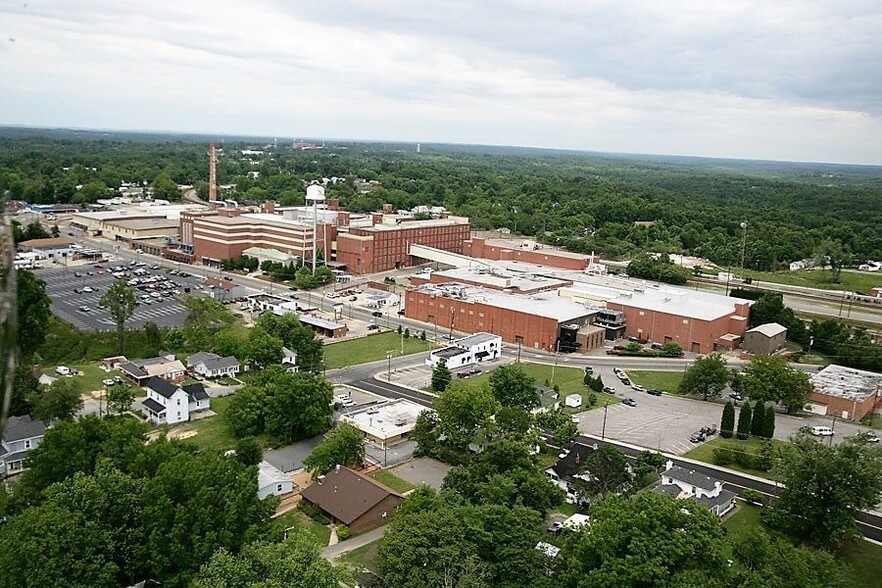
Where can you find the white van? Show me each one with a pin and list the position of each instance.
(62, 370)
(821, 431)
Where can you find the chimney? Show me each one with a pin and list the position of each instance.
(212, 173)
(668, 465)
(387, 209)
(269, 207)
(333, 203)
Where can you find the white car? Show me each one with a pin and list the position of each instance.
(108, 382)
(62, 370)
(88, 289)
(638, 388)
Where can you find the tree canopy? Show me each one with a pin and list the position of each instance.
(707, 376)
(512, 386)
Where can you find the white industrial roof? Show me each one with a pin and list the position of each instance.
(849, 383)
(386, 420)
(476, 339)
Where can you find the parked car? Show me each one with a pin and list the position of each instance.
(377, 313)
(372, 327)
(821, 431)
(638, 388)
(589, 369)
(736, 396)
(868, 437)
(88, 289)
(63, 370)
(108, 382)
(609, 389)
(626, 381)
(697, 437)
(555, 527)
(463, 374)
(629, 401)
(654, 392)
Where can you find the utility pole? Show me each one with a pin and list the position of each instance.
(603, 431)
(389, 355)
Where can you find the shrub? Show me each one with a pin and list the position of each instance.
(343, 532)
(723, 456)
(592, 399)
(744, 418)
(312, 512)
(745, 459)
(752, 496)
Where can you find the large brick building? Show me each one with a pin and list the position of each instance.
(847, 393)
(385, 246)
(526, 252)
(531, 321)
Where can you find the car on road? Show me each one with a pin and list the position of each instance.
(637, 388)
(609, 389)
(736, 396)
(108, 382)
(821, 431)
(372, 327)
(629, 401)
(868, 437)
(377, 313)
(589, 369)
(654, 392)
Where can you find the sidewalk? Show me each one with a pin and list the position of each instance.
(332, 552)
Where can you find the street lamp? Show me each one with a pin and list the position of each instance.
(603, 431)
(743, 243)
(389, 355)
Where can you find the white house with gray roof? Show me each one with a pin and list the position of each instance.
(680, 482)
(211, 365)
(21, 435)
(168, 404)
(467, 351)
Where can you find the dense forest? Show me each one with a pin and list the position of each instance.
(582, 201)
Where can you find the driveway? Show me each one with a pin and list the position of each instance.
(290, 457)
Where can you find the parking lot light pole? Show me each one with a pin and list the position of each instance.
(389, 355)
(603, 430)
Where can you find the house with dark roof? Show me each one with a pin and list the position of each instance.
(167, 403)
(165, 367)
(351, 499)
(568, 469)
(211, 365)
(21, 435)
(680, 482)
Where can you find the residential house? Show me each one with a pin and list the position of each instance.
(679, 482)
(165, 367)
(109, 364)
(211, 365)
(21, 435)
(467, 350)
(349, 498)
(568, 469)
(271, 481)
(167, 403)
(549, 400)
(42, 377)
(289, 360)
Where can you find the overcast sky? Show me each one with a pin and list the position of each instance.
(782, 79)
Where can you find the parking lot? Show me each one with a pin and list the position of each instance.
(75, 289)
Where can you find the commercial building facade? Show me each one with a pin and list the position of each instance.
(844, 392)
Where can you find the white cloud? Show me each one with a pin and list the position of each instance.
(742, 78)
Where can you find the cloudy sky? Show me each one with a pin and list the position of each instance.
(785, 79)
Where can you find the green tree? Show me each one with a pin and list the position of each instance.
(727, 422)
(825, 488)
(512, 386)
(677, 541)
(25, 388)
(51, 546)
(295, 336)
(293, 406)
(769, 423)
(671, 350)
(342, 446)
(707, 376)
(33, 308)
(744, 419)
(59, 401)
(248, 451)
(263, 349)
(441, 376)
(758, 419)
(120, 398)
(296, 563)
(462, 410)
(164, 188)
(607, 472)
(154, 338)
(121, 303)
(832, 255)
(771, 379)
(563, 429)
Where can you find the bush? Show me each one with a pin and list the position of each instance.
(343, 532)
(752, 496)
(746, 459)
(723, 456)
(312, 512)
(592, 399)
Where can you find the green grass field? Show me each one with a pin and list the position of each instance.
(295, 518)
(91, 378)
(666, 381)
(372, 348)
(705, 452)
(850, 281)
(389, 479)
(212, 432)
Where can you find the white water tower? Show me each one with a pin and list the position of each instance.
(314, 194)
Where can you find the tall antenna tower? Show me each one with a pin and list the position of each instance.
(315, 194)
(212, 173)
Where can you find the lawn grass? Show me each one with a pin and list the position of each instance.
(666, 381)
(850, 281)
(354, 562)
(389, 479)
(372, 348)
(864, 558)
(91, 378)
(212, 433)
(295, 518)
(705, 452)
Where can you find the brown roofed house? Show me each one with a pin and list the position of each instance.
(354, 500)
